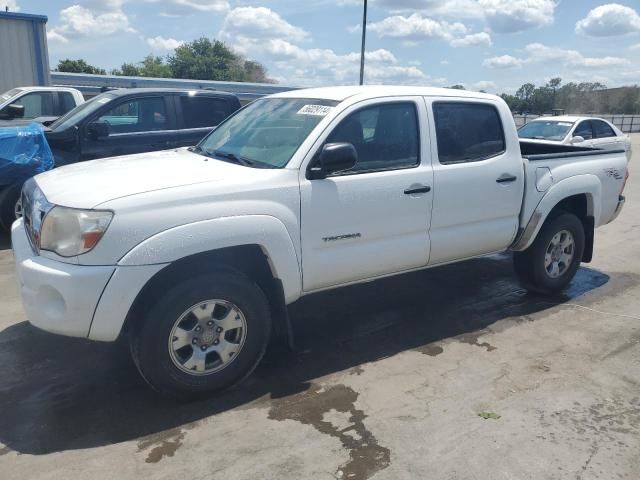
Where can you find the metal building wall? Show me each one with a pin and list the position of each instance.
(24, 57)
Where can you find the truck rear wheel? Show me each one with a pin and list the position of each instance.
(202, 335)
(552, 260)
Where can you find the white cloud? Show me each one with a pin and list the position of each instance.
(417, 27)
(270, 39)
(12, 4)
(541, 54)
(482, 38)
(484, 85)
(503, 61)
(506, 16)
(259, 22)
(181, 7)
(161, 43)
(76, 21)
(503, 16)
(608, 20)
(444, 62)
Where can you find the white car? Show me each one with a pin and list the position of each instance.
(579, 131)
(196, 253)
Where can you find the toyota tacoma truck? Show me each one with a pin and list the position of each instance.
(195, 253)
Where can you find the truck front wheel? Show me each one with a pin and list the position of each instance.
(202, 335)
(552, 260)
(10, 207)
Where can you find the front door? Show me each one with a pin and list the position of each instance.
(136, 125)
(372, 220)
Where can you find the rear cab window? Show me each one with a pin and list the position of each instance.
(467, 131)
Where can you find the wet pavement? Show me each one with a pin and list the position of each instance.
(388, 380)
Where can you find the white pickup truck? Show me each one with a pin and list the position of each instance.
(195, 253)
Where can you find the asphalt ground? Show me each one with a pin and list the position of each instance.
(450, 373)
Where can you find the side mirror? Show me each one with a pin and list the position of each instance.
(15, 111)
(335, 157)
(98, 130)
(577, 139)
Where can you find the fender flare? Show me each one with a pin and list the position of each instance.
(268, 232)
(586, 184)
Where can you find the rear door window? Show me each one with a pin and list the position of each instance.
(467, 132)
(584, 130)
(200, 111)
(602, 130)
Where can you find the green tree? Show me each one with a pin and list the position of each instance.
(524, 94)
(554, 84)
(457, 87)
(78, 66)
(205, 59)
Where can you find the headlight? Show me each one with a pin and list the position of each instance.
(70, 232)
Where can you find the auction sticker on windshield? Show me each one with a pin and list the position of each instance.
(317, 110)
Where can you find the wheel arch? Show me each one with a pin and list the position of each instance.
(578, 195)
(250, 260)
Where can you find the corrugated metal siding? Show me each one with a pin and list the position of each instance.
(24, 58)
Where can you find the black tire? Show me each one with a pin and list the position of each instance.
(149, 338)
(9, 196)
(530, 264)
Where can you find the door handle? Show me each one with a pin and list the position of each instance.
(506, 178)
(412, 190)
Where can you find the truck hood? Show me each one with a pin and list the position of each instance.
(88, 184)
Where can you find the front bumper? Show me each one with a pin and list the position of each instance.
(57, 297)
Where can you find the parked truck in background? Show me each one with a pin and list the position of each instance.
(195, 253)
(126, 121)
(23, 105)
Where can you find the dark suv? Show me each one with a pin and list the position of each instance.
(121, 122)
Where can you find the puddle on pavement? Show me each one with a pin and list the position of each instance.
(316, 407)
(471, 338)
(162, 444)
(431, 350)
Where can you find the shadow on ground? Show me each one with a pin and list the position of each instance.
(60, 393)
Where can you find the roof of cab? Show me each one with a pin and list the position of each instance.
(364, 92)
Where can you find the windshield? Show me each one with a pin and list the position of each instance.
(7, 95)
(266, 132)
(545, 130)
(81, 111)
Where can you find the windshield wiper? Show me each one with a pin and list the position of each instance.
(196, 149)
(234, 158)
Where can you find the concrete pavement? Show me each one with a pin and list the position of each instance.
(389, 381)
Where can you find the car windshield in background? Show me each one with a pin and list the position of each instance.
(267, 132)
(80, 112)
(545, 130)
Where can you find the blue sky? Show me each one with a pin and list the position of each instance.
(494, 45)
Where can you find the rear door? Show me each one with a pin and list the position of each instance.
(136, 125)
(197, 115)
(605, 137)
(478, 180)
